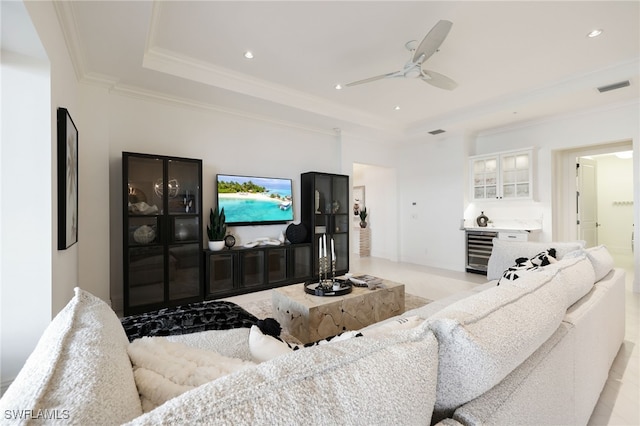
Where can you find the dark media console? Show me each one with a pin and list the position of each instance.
(241, 270)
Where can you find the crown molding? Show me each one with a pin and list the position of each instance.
(159, 97)
(514, 101)
(561, 117)
(66, 18)
(171, 63)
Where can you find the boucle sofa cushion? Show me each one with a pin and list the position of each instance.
(80, 368)
(576, 275)
(369, 380)
(538, 392)
(164, 369)
(504, 253)
(600, 259)
(486, 336)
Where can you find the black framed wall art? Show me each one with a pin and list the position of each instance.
(67, 180)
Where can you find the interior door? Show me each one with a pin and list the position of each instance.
(587, 201)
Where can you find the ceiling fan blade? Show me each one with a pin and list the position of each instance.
(370, 79)
(432, 41)
(438, 80)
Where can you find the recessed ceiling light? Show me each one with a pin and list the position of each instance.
(397, 107)
(338, 86)
(624, 155)
(248, 54)
(594, 33)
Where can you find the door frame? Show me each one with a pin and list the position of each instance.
(564, 196)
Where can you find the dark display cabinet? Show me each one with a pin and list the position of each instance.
(244, 270)
(325, 209)
(162, 224)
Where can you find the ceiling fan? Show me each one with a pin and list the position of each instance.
(413, 69)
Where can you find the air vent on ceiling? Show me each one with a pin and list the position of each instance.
(614, 86)
(436, 132)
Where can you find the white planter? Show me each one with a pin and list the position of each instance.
(216, 245)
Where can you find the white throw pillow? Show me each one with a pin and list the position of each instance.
(601, 260)
(79, 369)
(265, 347)
(164, 369)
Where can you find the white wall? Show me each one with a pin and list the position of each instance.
(432, 192)
(615, 202)
(64, 93)
(226, 143)
(25, 209)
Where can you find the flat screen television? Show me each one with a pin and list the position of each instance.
(251, 200)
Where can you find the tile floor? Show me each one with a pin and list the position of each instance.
(619, 403)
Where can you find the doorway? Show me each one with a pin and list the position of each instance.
(595, 198)
(379, 186)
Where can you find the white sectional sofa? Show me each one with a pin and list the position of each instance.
(536, 350)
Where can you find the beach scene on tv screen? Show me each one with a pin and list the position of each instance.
(255, 199)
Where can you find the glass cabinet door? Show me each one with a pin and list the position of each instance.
(323, 195)
(341, 249)
(145, 198)
(183, 187)
(252, 268)
(485, 178)
(221, 275)
(301, 261)
(184, 271)
(277, 265)
(515, 175)
(146, 275)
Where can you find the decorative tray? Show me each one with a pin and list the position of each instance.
(325, 290)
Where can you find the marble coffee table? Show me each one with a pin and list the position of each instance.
(310, 318)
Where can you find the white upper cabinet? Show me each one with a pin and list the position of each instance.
(502, 176)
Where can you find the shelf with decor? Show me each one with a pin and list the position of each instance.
(326, 212)
(162, 232)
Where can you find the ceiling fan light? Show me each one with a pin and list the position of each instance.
(396, 108)
(248, 54)
(338, 86)
(413, 73)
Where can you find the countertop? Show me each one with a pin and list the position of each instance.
(505, 226)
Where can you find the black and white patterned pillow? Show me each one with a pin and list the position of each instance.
(544, 258)
(524, 265)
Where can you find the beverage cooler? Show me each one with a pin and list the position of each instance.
(479, 246)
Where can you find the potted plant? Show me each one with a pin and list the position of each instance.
(217, 229)
(363, 218)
